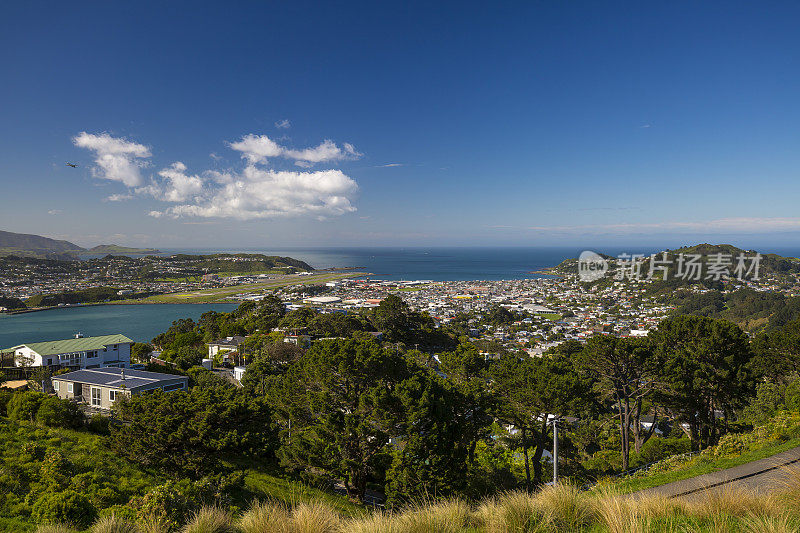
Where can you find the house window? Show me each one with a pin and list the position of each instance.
(55, 386)
(112, 395)
(70, 388)
(96, 396)
(175, 386)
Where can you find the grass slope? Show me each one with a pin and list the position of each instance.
(37, 460)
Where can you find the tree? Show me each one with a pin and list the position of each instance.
(527, 392)
(499, 316)
(140, 352)
(776, 354)
(339, 410)
(187, 432)
(623, 370)
(703, 368)
(430, 458)
(465, 369)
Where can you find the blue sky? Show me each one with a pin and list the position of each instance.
(257, 124)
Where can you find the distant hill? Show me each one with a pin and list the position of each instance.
(116, 249)
(25, 245)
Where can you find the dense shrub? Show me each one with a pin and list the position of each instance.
(5, 397)
(792, 395)
(65, 507)
(99, 424)
(25, 405)
(55, 412)
(657, 449)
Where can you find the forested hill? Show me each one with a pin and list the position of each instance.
(118, 250)
(769, 263)
(22, 244)
(240, 262)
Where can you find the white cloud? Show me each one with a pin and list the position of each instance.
(55, 212)
(249, 193)
(262, 193)
(283, 124)
(259, 148)
(119, 197)
(389, 165)
(179, 187)
(116, 159)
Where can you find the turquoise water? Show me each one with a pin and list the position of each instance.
(139, 322)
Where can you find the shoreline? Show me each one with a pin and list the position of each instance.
(97, 304)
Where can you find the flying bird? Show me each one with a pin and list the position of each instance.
(73, 165)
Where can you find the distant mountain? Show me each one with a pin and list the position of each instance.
(36, 246)
(117, 249)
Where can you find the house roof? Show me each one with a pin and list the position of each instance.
(236, 340)
(73, 345)
(112, 377)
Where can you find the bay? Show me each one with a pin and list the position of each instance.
(138, 322)
(428, 263)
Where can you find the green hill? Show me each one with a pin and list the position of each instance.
(25, 245)
(118, 250)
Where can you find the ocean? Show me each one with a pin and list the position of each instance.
(437, 264)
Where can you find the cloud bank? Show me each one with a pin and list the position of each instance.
(720, 225)
(252, 192)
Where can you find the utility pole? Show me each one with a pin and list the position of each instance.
(555, 451)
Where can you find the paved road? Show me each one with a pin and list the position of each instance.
(764, 475)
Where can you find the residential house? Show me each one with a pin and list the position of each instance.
(100, 387)
(224, 346)
(82, 352)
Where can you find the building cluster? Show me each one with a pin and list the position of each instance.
(100, 369)
(23, 278)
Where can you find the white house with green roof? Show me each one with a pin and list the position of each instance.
(82, 352)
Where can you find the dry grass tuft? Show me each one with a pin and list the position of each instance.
(782, 523)
(449, 516)
(54, 528)
(565, 507)
(376, 522)
(735, 502)
(265, 517)
(211, 520)
(314, 517)
(113, 524)
(512, 512)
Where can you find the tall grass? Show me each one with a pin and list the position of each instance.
(113, 524)
(553, 509)
(54, 528)
(211, 520)
(263, 517)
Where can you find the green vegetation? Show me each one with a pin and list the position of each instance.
(390, 406)
(93, 295)
(120, 250)
(24, 245)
